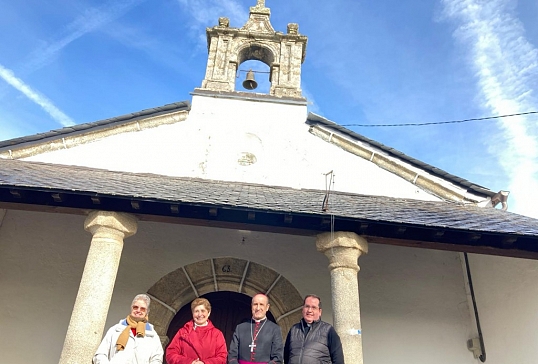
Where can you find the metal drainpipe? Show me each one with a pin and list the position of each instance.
(480, 337)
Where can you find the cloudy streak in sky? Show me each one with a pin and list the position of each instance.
(206, 13)
(506, 67)
(92, 19)
(41, 100)
(367, 62)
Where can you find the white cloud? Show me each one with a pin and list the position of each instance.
(160, 51)
(90, 20)
(506, 67)
(207, 12)
(41, 100)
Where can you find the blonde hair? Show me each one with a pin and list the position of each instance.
(201, 301)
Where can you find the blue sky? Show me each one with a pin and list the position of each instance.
(367, 62)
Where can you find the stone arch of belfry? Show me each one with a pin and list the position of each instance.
(228, 47)
(181, 286)
(255, 51)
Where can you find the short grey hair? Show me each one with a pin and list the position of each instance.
(142, 297)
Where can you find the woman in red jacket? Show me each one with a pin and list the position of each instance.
(198, 342)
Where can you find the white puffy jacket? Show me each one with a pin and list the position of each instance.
(139, 350)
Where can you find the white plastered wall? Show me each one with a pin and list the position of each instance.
(413, 301)
(220, 134)
(506, 291)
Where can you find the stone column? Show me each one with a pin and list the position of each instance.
(343, 250)
(93, 299)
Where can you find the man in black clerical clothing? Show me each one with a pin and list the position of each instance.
(312, 340)
(257, 340)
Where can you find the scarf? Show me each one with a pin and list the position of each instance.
(140, 327)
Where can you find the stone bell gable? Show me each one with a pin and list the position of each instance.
(257, 40)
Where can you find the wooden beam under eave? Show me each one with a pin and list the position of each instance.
(467, 248)
(165, 219)
(485, 250)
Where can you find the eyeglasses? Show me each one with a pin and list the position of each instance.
(138, 308)
(313, 308)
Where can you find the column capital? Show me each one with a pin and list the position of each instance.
(343, 248)
(125, 224)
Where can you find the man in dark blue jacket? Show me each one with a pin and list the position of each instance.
(312, 341)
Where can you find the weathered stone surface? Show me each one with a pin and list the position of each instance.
(343, 250)
(224, 22)
(256, 40)
(201, 275)
(284, 288)
(224, 274)
(105, 223)
(293, 28)
(259, 278)
(160, 317)
(229, 272)
(95, 292)
(287, 322)
(173, 289)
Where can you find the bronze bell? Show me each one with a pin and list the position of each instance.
(250, 83)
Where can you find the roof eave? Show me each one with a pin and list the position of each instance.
(314, 119)
(270, 220)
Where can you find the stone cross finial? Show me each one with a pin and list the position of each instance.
(260, 8)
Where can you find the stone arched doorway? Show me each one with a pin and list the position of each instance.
(228, 309)
(226, 274)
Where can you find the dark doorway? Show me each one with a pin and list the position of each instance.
(228, 309)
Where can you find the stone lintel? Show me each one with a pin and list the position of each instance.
(275, 36)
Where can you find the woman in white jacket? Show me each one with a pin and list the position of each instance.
(133, 340)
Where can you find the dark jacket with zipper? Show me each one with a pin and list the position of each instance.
(317, 344)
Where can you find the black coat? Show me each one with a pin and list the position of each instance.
(269, 348)
(319, 344)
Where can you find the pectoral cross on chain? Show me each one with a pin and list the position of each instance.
(252, 347)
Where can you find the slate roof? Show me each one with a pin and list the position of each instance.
(312, 119)
(279, 207)
(96, 125)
